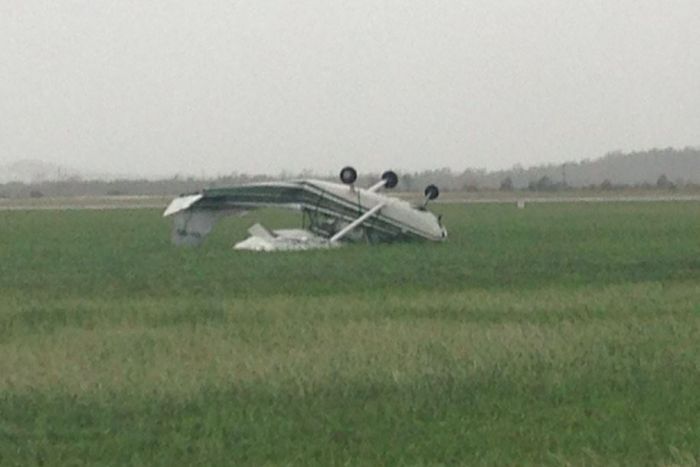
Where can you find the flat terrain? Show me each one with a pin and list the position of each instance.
(559, 333)
(454, 197)
(84, 203)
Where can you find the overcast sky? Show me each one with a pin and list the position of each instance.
(157, 87)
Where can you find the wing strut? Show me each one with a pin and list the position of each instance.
(344, 231)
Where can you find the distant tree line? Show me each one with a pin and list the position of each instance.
(660, 169)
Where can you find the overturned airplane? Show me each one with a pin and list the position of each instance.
(332, 214)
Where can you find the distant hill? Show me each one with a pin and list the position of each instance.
(680, 167)
(35, 171)
(646, 169)
(635, 168)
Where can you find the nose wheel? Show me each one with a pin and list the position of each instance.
(432, 192)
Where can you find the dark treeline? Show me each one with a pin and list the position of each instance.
(655, 169)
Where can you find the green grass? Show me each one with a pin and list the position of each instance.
(561, 333)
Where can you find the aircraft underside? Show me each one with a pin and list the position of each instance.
(331, 214)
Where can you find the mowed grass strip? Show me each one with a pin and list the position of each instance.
(178, 349)
(399, 354)
(331, 387)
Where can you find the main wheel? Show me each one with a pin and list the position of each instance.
(391, 179)
(348, 175)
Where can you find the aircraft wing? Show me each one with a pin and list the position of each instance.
(242, 198)
(294, 195)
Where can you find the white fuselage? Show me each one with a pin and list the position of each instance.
(424, 223)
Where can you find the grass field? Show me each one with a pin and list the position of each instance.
(551, 335)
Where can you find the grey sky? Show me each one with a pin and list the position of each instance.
(165, 86)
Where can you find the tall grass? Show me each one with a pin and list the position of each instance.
(551, 335)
